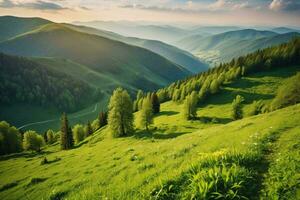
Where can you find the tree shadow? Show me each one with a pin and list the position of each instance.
(214, 120)
(24, 155)
(167, 113)
(154, 134)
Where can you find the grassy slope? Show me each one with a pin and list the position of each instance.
(130, 167)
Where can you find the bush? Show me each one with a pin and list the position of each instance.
(51, 137)
(10, 139)
(78, 133)
(257, 107)
(237, 107)
(33, 141)
(288, 94)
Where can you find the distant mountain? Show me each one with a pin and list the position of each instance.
(282, 30)
(163, 33)
(12, 26)
(135, 66)
(172, 53)
(223, 47)
(212, 30)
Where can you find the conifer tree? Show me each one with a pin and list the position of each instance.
(155, 103)
(120, 115)
(66, 136)
(146, 115)
(237, 108)
(102, 118)
(89, 129)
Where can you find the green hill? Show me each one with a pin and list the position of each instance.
(172, 53)
(223, 47)
(134, 167)
(11, 26)
(98, 53)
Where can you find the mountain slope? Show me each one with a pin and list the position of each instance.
(163, 33)
(223, 47)
(115, 59)
(11, 26)
(172, 53)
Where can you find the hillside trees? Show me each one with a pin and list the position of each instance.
(102, 119)
(50, 137)
(155, 103)
(120, 115)
(33, 141)
(146, 114)
(190, 106)
(66, 136)
(78, 133)
(23, 80)
(288, 93)
(237, 108)
(10, 139)
(88, 129)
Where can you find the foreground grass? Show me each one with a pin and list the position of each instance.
(129, 168)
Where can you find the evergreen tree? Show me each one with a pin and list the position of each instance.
(146, 114)
(190, 106)
(89, 129)
(214, 86)
(120, 116)
(237, 108)
(66, 137)
(155, 103)
(102, 119)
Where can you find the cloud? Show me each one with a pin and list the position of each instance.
(285, 5)
(36, 5)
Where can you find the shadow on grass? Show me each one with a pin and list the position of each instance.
(24, 155)
(80, 144)
(214, 120)
(154, 134)
(167, 113)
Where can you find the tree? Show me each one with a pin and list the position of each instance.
(78, 133)
(88, 129)
(237, 108)
(120, 116)
(102, 119)
(214, 86)
(155, 103)
(32, 141)
(50, 136)
(10, 139)
(146, 114)
(66, 136)
(190, 106)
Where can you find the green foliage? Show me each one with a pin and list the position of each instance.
(190, 106)
(78, 133)
(102, 119)
(120, 115)
(155, 103)
(23, 80)
(51, 137)
(237, 108)
(10, 139)
(66, 136)
(288, 94)
(33, 141)
(89, 129)
(146, 114)
(256, 108)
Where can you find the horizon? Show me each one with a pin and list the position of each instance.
(257, 13)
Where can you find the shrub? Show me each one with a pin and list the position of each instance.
(78, 133)
(33, 141)
(10, 139)
(237, 107)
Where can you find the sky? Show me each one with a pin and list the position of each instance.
(205, 12)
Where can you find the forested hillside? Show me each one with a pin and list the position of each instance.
(23, 80)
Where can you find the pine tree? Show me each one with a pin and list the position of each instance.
(64, 132)
(120, 116)
(155, 103)
(89, 129)
(102, 118)
(146, 115)
(66, 136)
(237, 108)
